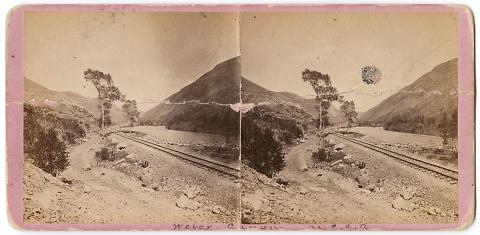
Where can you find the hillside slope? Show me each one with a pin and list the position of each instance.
(422, 106)
(68, 104)
(299, 107)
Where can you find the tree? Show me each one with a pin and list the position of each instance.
(325, 93)
(348, 109)
(107, 93)
(130, 109)
(260, 147)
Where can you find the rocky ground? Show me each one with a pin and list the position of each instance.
(361, 187)
(141, 186)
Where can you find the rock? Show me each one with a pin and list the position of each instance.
(130, 156)
(119, 161)
(86, 189)
(436, 211)
(155, 187)
(121, 146)
(192, 192)
(185, 203)
(408, 193)
(66, 180)
(431, 211)
(87, 167)
(318, 189)
(401, 204)
(336, 162)
(264, 179)
(348, 157)
(218, 210)
(339, 146)
(303, 190)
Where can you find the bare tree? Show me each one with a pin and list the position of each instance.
(325, 93)
(107, 93)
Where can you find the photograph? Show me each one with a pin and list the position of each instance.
(354, 118)
(127, 118)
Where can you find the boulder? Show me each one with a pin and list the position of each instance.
(407, 193)
(348, 157)
(130, 156)
(187, 204)
(401, 204)
(303, 190)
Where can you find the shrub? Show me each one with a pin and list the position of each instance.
(42, 145)
(103, 154)
(320, 155)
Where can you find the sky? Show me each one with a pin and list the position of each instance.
(149, 55)
(277, 47)
(152, 55)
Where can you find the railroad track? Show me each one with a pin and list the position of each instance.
(428, 167)
(217, 167)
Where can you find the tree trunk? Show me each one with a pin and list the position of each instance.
(102, 115)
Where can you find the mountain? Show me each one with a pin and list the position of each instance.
(66, 103)
(203, 106)
(421, 107)
(220, 85)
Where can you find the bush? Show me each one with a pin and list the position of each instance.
(260, 148)
(42, 145)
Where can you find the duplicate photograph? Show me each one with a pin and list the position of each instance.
(354, 118)
(128, 118)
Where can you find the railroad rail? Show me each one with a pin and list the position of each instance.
(441, 171)
(218, 167)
